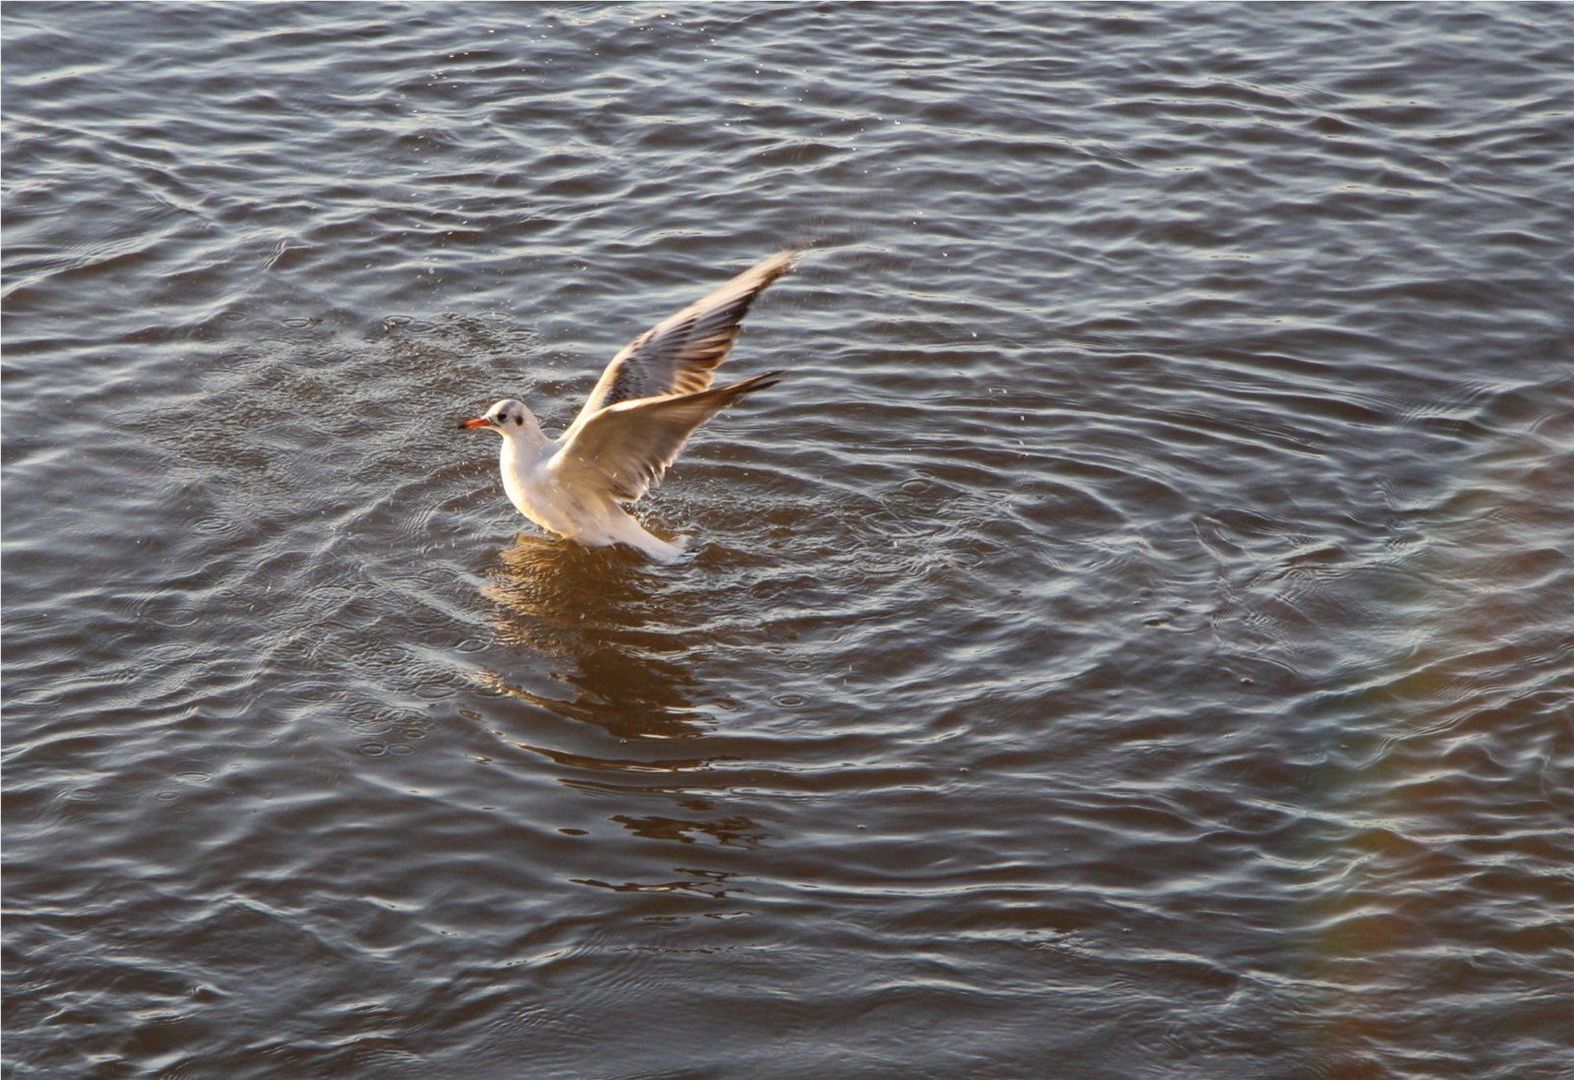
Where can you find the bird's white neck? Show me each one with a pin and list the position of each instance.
(523, 449)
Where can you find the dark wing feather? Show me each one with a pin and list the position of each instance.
(624, 449)
(680, 354)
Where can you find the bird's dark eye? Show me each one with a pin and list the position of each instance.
(502, 418)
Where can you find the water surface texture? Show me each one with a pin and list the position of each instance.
(1134, 641)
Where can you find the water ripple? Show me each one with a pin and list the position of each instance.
(1134, 631)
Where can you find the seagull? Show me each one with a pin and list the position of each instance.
(651, 398)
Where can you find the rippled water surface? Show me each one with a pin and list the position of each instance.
(1134, 641)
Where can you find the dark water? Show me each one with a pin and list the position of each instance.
(1136, 641)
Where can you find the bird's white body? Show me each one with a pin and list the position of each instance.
(650, 399)
(585, 516)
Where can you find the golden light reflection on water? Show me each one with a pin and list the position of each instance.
(618, 667)
(589, 610)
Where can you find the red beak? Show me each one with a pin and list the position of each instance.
(479, 421)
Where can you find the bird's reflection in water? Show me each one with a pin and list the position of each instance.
(593, 609)
(614, 626)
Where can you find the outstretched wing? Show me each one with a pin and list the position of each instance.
(679, 355)
(623, 450)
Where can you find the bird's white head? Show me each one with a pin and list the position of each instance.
(508, 418)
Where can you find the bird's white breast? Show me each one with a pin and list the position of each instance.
(533, 488)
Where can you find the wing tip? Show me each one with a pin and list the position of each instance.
(779, 265)
(742, 388)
